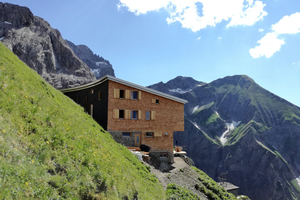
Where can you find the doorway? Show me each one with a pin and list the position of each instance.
(137, 139)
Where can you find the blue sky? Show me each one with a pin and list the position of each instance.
(148, 41)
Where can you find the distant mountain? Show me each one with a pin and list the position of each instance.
(233, 125)
(177, 85)
(99, 66)
(41, 47)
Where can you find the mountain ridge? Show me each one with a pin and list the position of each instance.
(42, 48)
(231, 124)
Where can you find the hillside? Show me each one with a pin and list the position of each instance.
(50, 148)
(232, 124)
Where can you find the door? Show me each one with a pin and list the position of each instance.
(137, 139)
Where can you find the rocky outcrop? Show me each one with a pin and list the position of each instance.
(233, 125)
(41, 47)
(99, 66)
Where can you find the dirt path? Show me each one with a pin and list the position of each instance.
(181, 174)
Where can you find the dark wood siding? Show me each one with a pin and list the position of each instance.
(86, 97)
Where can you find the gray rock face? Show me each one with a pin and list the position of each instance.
(41, 47)
(234, 125)
(99, 66)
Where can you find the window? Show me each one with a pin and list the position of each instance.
(155, 101)
(148, 115)
(149, 134)
(99, 95)
(126, 134)
(121, 114)
(122, 94)
(163, 155)
(134, 114)
(134, 95)
(91, 91)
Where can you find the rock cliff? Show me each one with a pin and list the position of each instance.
(41, 47)
(233, 125)
(99, 66)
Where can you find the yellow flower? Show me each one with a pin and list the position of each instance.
(40, 108)
(32, 161)
(47, 142)
(3, 131)
(26, 183)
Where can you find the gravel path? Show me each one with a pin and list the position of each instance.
(181, 174)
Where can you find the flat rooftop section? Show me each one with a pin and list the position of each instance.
(228, 186)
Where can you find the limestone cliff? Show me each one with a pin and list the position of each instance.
(99, 66)
(41, 47)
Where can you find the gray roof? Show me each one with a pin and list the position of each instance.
(139, 87)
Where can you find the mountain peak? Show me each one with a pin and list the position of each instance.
(242, 80)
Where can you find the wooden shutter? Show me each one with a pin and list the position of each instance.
(116, 113)
(139, 114)
(127, 114)
(153, 115)
(127, 94)
(99, 95)
(157, 134)
(116, 93)
(153, 100)
(140, 95)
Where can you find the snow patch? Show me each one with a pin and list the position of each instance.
(298, 180)
(230, 127)
(7, 22)
(1, 38)
(100, 63)
(195, 108)
(179, 90)
(217, 113)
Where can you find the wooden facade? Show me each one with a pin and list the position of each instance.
(134, 115)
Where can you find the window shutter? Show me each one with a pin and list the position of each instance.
(139, 114)
(116, 113)
(153, 100)
(157, 134)
(127, 114)
(127, 94)
(116, 93)
(99, 95)
(153, 115)
(140, 95)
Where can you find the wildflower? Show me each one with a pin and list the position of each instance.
(32, 161)
(26, 183)
(3, 131)
(40, 108)
(47, 142)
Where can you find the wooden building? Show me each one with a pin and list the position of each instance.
(134, 115)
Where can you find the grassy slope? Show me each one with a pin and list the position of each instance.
(49, 148)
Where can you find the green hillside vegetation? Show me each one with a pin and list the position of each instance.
(51, 149)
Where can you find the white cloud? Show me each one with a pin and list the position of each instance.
(142, 6)
(296, 63)
(252, 12)
(288, 25)
(269, 44)
(199, 38)
(187, 12)
(261, 30)
(219, 38)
